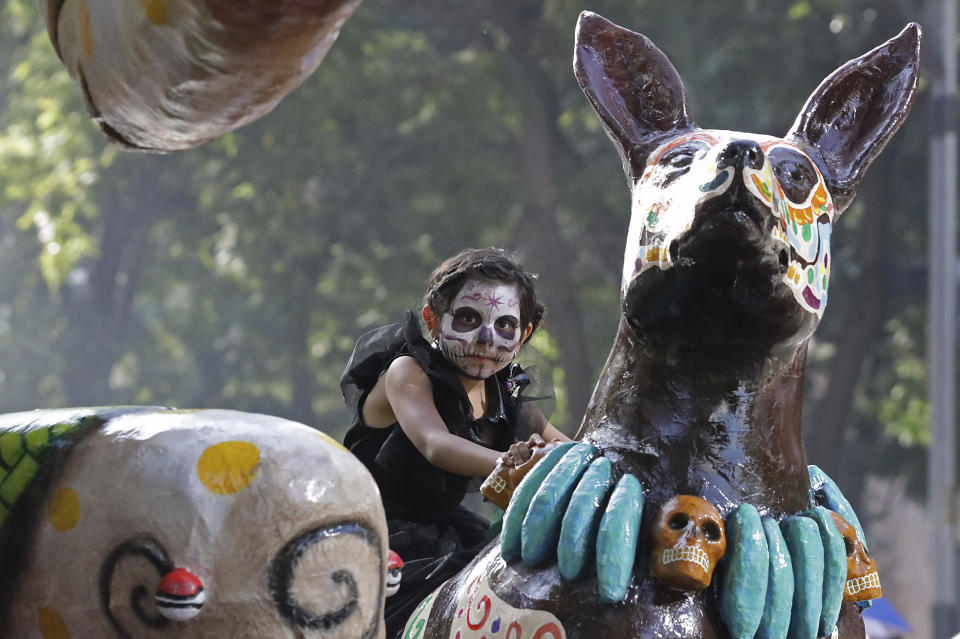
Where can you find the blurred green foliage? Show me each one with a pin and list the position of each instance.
(239, 274)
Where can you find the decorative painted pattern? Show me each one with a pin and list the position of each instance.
(481, 614)
(63, 510)
(663, 211)
(52, 625)
(21, 453)
(228, 467)
(804, 226)
(664, 207)
(418, 619)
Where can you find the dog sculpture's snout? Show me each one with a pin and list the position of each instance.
(741, 154)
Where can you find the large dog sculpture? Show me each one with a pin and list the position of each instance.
(724, 281)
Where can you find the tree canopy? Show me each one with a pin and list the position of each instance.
(239, 274)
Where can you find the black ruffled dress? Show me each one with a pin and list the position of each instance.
(434, 534)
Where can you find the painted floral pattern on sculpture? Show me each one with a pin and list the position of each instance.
(481, 614)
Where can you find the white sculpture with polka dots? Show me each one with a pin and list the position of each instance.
(213, 524)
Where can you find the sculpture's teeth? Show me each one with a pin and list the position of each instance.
(858, 585)
(686, 553)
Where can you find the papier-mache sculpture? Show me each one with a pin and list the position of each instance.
(724, 280)
(153, 523)
(165, 76)
(215, 524)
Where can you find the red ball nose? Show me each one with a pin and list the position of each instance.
(179, 582)
(180, 595)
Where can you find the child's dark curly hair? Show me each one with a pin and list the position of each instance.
(490, 264)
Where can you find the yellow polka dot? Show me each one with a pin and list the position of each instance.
(156, 11)
(86, 28)
(330, 440)
(52, 625)
(228, 467)
(63, 511)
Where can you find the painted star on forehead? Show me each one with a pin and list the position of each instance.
(494, 301)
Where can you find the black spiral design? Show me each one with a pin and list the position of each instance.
(149, 548)
(283, 567)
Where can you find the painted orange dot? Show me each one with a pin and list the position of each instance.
(228, 467)
(86, 27)
(156, 11)
(63, 511)
(52, 625)
(330, 440)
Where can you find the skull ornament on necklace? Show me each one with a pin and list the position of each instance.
(480, 333)
(863, 581)
(688, 542)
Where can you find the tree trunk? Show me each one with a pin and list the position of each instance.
(539, 232)
(98, 312)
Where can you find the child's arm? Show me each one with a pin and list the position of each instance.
(551, 432)
(538, 423)
(410, 395)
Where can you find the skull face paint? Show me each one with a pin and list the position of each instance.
(480, 333)
(691, 169)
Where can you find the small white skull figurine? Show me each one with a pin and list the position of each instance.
(863, 581)
(688, 542)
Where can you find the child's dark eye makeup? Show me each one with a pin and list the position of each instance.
(465, 319)
(506, 327)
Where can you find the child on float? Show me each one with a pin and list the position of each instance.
(429, 417)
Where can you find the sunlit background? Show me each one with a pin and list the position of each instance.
(239, 274)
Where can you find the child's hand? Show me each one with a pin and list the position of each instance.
(512, 467)
(520, 452)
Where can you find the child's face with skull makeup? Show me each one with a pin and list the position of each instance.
(481, 332)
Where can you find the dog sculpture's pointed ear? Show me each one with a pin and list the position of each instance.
(849, 118)
(633, 87)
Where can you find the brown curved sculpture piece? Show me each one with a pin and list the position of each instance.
(725, 278)
(167, 75)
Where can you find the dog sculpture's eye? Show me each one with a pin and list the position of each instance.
(677, 161)
(681, 160)
(794, 172)
(682, 156)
